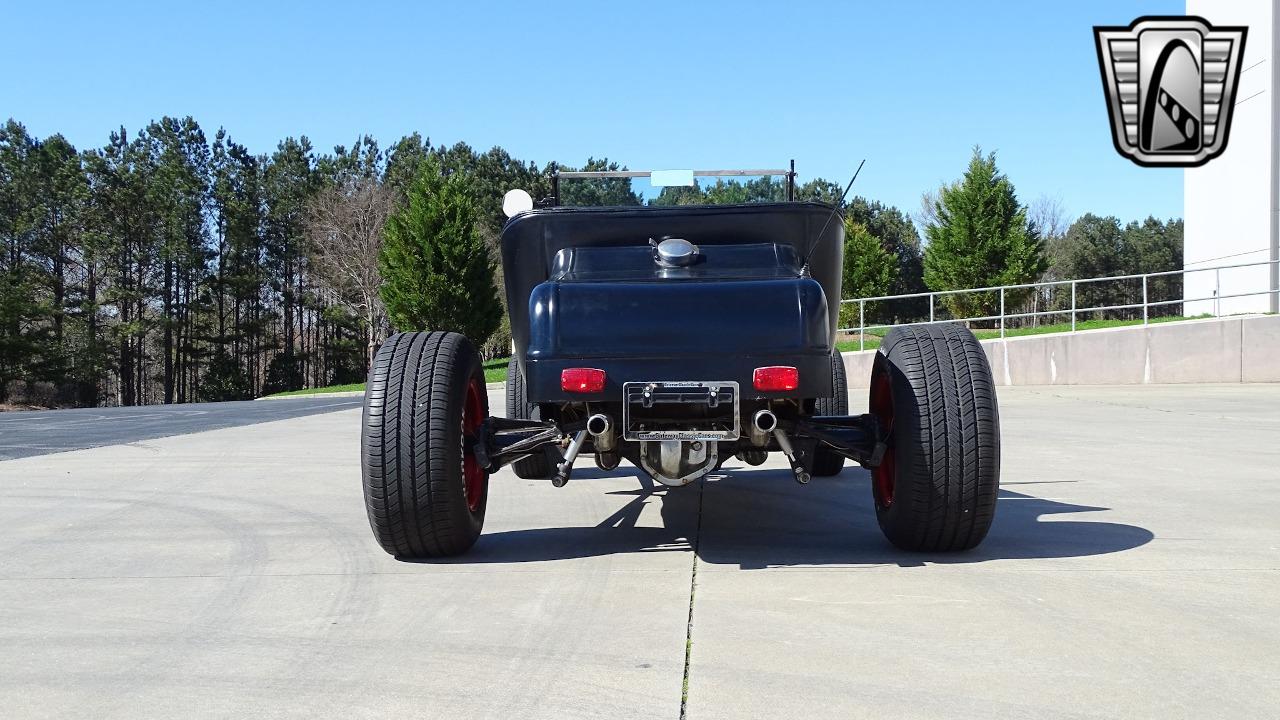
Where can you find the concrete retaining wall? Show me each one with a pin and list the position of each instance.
(1218, 350)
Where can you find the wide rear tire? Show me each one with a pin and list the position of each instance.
(936, 488)
(828, 463)
(540, 465)
(424, 491)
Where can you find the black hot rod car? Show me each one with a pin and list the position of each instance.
(677, 338)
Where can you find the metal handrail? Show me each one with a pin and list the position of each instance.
(1074, 311)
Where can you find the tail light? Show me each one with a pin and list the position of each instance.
(581, 380)
(776, 378)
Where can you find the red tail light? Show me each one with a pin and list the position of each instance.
(581, 380)
(776, 378)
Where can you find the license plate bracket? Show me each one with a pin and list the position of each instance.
(680, 410)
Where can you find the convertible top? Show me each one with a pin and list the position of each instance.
(531, 240)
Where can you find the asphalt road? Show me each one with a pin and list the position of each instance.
(1133, 571)
(23, 434)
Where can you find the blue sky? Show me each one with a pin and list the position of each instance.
(911, 86)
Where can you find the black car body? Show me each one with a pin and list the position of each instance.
(678, 344)
(678, 339)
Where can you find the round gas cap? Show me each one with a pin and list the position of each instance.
(677, 252)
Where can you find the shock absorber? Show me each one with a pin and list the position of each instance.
(765, 422)
(564, 468)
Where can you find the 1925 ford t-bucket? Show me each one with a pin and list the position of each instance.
(678, 338)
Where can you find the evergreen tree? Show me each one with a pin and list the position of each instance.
(982, 238)
(178, 194)
(1157, 246)
(437, 273)
(604, 192)
(21, 313)
(225, 379)
(869, 271)
(820, 190)
(1099, 247)
(126, 222)
(898, 236)
(240, 270)
(287, 184)
(680, 195)
(404, 159)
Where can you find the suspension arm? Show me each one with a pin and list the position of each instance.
(857, 437)
(501, 441)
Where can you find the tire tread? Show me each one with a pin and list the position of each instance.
(827, 463)
(947, 439)
(411, 445)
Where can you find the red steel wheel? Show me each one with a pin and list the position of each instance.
(884, 475)
(472, 417)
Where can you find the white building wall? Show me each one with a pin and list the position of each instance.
(1229, 203)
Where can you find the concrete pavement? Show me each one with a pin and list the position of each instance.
(1133, 571)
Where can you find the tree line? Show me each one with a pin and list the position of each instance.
(167, 267)
(979, 235)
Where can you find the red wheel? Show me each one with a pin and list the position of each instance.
(473, 416)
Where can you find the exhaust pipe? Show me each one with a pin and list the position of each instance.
(600, 427)
(762, 423)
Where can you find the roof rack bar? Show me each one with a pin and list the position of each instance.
(646, 173)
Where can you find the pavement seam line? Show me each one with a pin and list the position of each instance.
(693, 588)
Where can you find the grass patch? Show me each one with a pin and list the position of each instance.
(350, 387)
(495, 370)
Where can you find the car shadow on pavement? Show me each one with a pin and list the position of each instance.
(762, 518)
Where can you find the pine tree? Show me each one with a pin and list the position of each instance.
(982, 238)
(437, 273)
(288, 182)
(404, 159)
(178, 194)
(22, 315)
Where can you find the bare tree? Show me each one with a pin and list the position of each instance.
(927, 215)
(1049, 217)
(1051, 220)
(345, 224)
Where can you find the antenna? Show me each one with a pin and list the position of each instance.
(835, 210)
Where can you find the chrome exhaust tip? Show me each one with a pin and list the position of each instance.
(599, 424)
(764, 421)
(600, 427)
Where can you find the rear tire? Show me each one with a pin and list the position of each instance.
(828, 463)
(538, 466)
(936, 488)
(424, 491)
